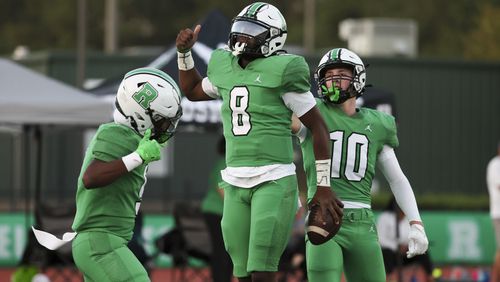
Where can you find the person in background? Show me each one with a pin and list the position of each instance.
(294, 256)
(113, 175)
(260, 87)
(212, 208)
(361, 139)
(394, 243)
(493, 181)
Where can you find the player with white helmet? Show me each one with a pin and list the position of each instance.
(361, 139)
(260, 87)
(264, 25)
(113, 175)
(337, 58)
(149, 99)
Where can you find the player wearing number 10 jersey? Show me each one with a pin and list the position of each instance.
(361, 139)
(260, 87)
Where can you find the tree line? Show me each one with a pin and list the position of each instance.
(464, 29)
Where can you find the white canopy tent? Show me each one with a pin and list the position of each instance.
(27, 97)
(30, 103)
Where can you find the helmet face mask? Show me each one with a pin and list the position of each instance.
(336, 59)
(164, 128)
(259, 30)
(149, 99)
(332, 88)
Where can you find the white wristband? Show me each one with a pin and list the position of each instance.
(185, 61)
(323, 168)
(132, 161)
(302, 133)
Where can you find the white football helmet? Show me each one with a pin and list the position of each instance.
(340, 57)
(149, 98)
(264, 27)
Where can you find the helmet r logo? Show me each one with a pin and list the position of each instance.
(145, 95)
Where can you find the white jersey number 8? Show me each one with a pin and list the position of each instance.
(240, 119)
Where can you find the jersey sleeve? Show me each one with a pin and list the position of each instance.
(114, 142)
(296, 76)
(299, 103)
(209, 88)
(390, 125)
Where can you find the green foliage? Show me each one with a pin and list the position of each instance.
(447, 28)
(483, 40)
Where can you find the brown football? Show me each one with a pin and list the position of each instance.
(320, 228)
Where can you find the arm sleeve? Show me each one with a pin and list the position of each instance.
(209, 88)
(296, 76)
(299, 103)
(400, 186)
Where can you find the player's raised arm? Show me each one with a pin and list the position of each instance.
(190, 80)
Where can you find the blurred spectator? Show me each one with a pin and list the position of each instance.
(212, 207)
(294, 256)
(394, 242)
(493, 181)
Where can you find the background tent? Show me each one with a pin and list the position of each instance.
(41, 123)
(28, 97)
(214, 33)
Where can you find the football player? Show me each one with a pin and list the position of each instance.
(113, 175)
(361, 139)
(260, 87)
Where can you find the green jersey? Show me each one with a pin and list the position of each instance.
(356, 142)
(255, 119)
(111, 208)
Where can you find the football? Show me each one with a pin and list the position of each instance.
(320, 228)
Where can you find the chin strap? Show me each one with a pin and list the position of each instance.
(238, 48)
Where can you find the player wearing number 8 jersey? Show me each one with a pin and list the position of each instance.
(257, 109)
(360, 140)
(260, 87)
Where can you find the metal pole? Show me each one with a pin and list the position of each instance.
(111, 26)
(81, 42)
(309, 28)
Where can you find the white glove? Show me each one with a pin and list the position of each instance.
(418, 242)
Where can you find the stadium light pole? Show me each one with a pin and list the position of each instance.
(309, 26)
(111, 26)
(81, 42)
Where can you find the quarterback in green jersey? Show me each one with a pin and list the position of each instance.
(360, 139)
(260, 87)
(113, 175)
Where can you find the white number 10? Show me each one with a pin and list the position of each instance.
(356, 157)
